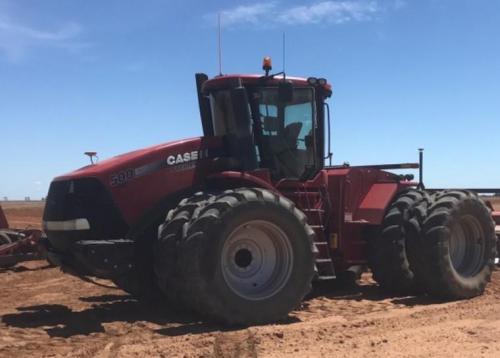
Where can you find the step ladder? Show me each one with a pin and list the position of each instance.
(316, 217)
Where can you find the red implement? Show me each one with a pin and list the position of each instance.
(3, 220)
(18, 245)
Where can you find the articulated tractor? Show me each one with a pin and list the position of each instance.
(237, 224)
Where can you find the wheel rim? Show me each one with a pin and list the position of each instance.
(467, 246)
(257, 260)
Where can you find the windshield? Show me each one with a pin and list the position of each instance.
(286, 133)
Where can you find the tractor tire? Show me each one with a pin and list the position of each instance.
(246, 258)
(414, 244)
(460, 245)
(389, 255)
(169, 235)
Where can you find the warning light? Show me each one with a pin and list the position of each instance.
(267, 64)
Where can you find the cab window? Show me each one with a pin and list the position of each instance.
(287, 132)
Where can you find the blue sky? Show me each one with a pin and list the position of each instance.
(113, 76)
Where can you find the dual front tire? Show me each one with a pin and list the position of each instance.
(245, 256)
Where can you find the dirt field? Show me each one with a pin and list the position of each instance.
(21, 214)
(496, 203)
(47, 313)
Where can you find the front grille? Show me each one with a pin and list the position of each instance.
(85, 198)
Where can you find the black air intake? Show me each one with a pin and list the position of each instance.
(85, 198)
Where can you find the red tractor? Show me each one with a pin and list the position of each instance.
(237, 224)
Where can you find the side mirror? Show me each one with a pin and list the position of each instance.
(285, 91)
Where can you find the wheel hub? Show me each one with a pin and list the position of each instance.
(467, 246)
(256, 260)
(243, 258)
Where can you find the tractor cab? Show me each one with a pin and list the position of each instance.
(267, 121)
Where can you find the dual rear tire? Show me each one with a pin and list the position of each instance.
(459, 242)
(444, 245)
(390, 253)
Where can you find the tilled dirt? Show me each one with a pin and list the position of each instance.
(47, 313)
(50, 314)
(21, 215)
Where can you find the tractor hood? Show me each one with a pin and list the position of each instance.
(139, 180)
(142, 161)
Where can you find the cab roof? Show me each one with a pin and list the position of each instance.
(228, 81)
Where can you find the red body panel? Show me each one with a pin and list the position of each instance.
(358, 198)
(136, 157)
(258, 178)
(374, 204)
(229, 80)
(496, 217)
(223, 81)
(155, 179)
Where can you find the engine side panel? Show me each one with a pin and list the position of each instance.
(137, 181)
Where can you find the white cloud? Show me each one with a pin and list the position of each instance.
(17, 39)
(247, 13)
(329, 12)
(281, 13)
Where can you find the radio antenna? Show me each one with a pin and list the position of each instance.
(219, 45)
(284, 74)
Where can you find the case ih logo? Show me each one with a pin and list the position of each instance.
(186, 157)
(176, 162)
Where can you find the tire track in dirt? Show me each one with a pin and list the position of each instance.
(47, 313)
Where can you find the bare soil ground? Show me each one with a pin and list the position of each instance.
(22, 214)
(44, 312)
(496, 202)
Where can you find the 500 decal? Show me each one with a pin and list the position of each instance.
(176, 162)
(122, 177)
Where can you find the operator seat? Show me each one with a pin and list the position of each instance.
(292, 132)
(289, 161)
